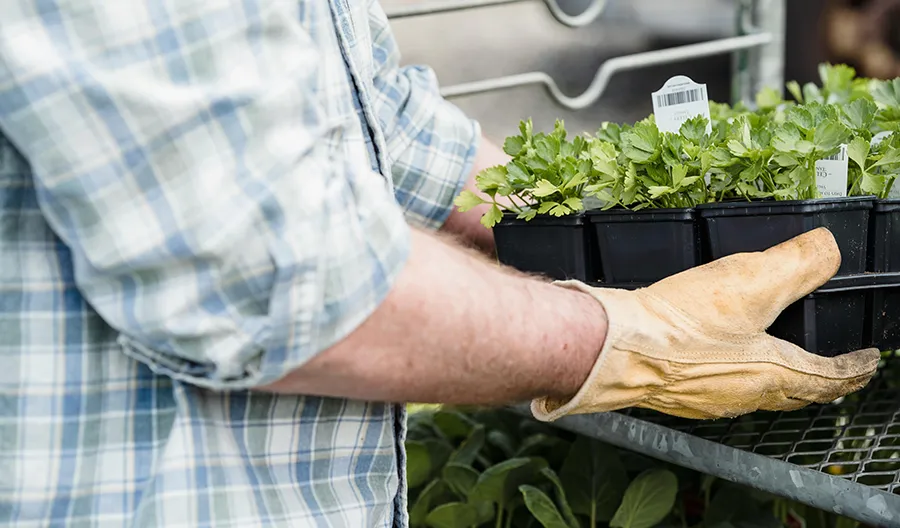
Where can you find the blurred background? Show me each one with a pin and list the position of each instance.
(522, 36)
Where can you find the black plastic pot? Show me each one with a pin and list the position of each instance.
(884, 313)
(846, 314)
(736, 227)
(831, 321)
(645, 246)
(556, 247)
(884, 236)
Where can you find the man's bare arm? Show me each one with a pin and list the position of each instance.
(458, 329)
(468, 225)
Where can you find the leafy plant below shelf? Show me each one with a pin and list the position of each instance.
(490, 468)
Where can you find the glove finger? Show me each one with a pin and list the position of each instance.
(747, 291)
(812, 378)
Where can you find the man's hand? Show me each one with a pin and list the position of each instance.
(694, 345)
(467, 226)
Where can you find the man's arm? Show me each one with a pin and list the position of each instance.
(468, 225)
(458, 329)
(435, 149)
(216, 223)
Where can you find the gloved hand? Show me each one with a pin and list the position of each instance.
(694, 345)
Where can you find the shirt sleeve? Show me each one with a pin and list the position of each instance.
(431, 143)
(182, 152)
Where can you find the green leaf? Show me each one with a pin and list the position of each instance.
(891, 157)
(424, 459)
(872, 184)
(886, 93)
(694, 129)
(491, 179)
(593, 478)
(657, 191)
(641, 144)
(431, 495)
(460, 478)
(794, 88)
(575, 204)
(491, 217)
(829, 134)
(561, 500)
(468, 450)
(467, 200)
(647, 501)
(453, 424)
(453, 515)
(859, 114)
(517, 175)
(542, 507)
(544, 188)
(500, 483)
(560, 210)
(513, 145)
(768, 98)
(526, 129)
(858, 151)
(545, 207)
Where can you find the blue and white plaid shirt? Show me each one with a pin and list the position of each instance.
(191, 206)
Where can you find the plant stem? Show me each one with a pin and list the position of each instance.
(509, 519)
(593, 514)
(499, 522)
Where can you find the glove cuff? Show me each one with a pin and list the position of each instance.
(620, 377)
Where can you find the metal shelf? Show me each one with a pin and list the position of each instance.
(842, 457)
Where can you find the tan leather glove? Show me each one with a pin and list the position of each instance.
(694, 344)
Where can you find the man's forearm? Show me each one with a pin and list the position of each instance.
(458, 329)
(468, 225)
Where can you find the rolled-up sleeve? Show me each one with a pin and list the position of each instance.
(182, 152)
(431, 143)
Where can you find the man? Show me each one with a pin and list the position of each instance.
(219, 255)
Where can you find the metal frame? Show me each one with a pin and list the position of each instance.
(782, 453)
(758, 49)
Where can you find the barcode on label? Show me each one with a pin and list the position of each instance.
(840, 155)
(678, 98)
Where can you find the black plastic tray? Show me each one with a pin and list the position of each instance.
(556, 247)
(645, 246)
(739, 226)
(884, 236)
(845, 314)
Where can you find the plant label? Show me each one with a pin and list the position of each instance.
(894, 193)
(879, 137)
(831, 174)
(678, 100)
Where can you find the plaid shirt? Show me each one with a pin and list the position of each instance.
(197, 197)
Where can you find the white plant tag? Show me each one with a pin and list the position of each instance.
(878, 138)
(831, 174)
(677, 101)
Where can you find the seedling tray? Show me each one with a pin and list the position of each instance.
(645, 246)
(737, 227)
(846, 314)
(556, 247)
(885, 236)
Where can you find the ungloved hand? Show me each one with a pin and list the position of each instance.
(695, 345)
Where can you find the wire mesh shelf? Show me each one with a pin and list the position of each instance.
(843, 456)
(856, 438)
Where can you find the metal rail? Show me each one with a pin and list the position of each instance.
(608, 69)
(586, 17)
(759, 65)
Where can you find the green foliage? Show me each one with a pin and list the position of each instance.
(528, 474)
(769, 152)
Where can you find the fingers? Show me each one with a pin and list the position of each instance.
(804, 263)
(811, 378)
(746, 292)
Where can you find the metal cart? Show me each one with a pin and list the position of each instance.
(843, 457)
